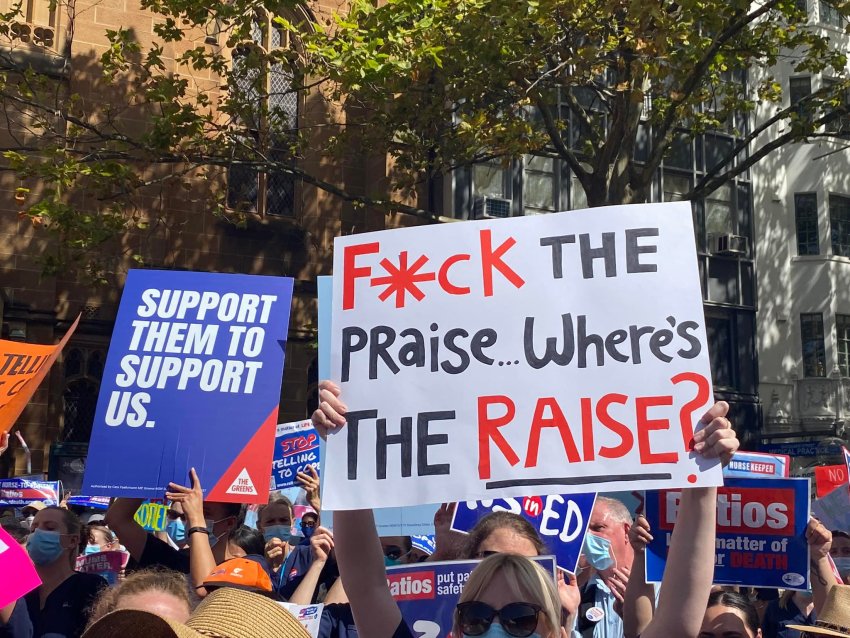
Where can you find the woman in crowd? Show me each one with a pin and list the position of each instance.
(689, 576)
(59, 607)
(508, 595)
(160, 591)
(99, 538)
(729, 615)
(275, 524)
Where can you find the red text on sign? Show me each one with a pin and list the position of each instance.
(499, 411)
(408, 275)
(768, 511)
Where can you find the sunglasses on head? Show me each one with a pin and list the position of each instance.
(517, 619)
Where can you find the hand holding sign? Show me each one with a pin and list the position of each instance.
(309, 481)
(4, 442)
(819, 539)
(717, 440)
(331, 411)
(639, 534)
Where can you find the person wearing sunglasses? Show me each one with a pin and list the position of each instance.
(508, 595)
(377, 615)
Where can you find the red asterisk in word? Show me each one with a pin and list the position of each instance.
(402, 279)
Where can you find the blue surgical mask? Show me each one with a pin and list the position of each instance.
(176, 530)
(497, 631)
(389, 562)
(597, 550)
(91, 549)
(277, 531)
(210, 526)
(842, 564)
(44, 547)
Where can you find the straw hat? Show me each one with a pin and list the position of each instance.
(834, 620)
(226, 613)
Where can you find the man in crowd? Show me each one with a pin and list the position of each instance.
(607, 561)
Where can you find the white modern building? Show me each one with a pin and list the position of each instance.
(802, 222)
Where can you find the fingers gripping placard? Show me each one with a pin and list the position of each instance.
(551, 354)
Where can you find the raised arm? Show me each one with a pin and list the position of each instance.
(361, 566)
(639, 599)
(119, 518)
(690, 562)
(321, 544)
(309, 482)
(201, 559)
(822, 578)
(358, 548)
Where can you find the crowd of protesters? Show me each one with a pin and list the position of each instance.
(210, 574)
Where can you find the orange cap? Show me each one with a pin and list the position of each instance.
(243, 573)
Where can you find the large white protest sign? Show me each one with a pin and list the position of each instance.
(552, 354)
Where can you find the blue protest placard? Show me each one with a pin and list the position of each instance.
(427, 593)
(192, 379)
(758, 465)
(296, 447)
(560, 519)
(95, 502)
(761, 526)
(17, 492)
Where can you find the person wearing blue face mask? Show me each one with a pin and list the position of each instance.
(175, 528)
(309, 523)
(59, 606)
(275, 523)
(606, 560)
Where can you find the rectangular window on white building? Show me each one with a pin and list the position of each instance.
(839, 224)
(842, 333)
(799, 88)
(806, 218)
(814, 353)
(830, 15)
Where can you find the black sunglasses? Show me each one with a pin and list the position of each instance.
(173, 515)
(517, 619)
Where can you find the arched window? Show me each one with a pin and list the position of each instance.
(83, 369)
(267, 112)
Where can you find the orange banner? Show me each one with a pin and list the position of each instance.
(23, 366)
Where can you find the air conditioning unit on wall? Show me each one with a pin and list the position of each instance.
(730, 245)
(490, 208)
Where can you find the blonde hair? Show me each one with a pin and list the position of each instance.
(526, 579)
(144, 580)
